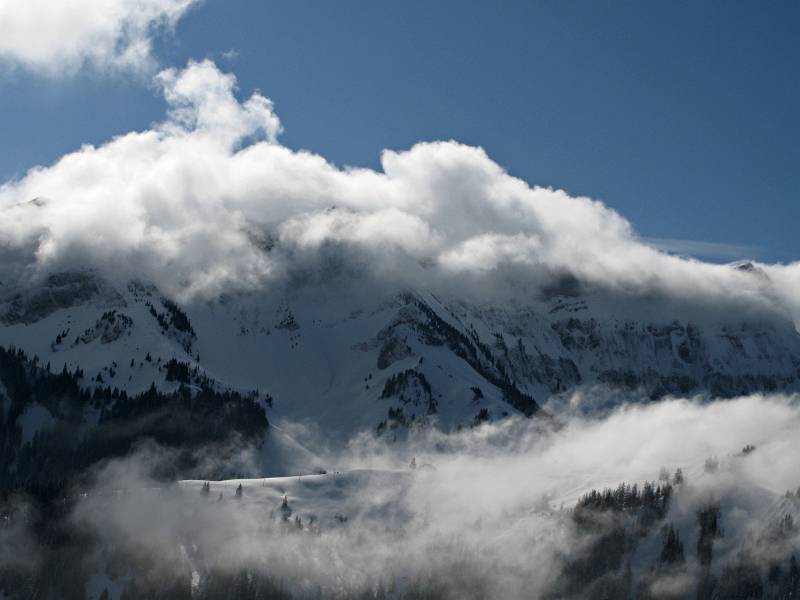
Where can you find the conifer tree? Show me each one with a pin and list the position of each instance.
(678, 478)
(672, 550)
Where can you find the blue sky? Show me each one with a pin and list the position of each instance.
(682, 116)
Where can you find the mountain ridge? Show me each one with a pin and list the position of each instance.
(356, 357)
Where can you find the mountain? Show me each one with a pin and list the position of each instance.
(355, 354)
(325, 438)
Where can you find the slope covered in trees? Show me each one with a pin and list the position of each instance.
(86, 425)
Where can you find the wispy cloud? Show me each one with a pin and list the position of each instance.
(703, 249)
(231, 54)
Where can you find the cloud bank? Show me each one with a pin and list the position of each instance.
(484, 521)
(486, 513)
(57, 38)
(210, 200)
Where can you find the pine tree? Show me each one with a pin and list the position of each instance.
(791, 584)
(286, 510)
(672, 550)
(678, 479)
(708, 520)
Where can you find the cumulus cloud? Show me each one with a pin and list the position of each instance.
(57, 38)
(209, 199)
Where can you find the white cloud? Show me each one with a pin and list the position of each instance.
(703, 249)
(485, 515)
(181, 203)
(57, 38)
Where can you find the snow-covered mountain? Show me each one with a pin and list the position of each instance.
(358, 355)
(105, 364)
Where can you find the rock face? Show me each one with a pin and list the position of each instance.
(111, 326)
(674, 357)
(58, 291)
(560, 344)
